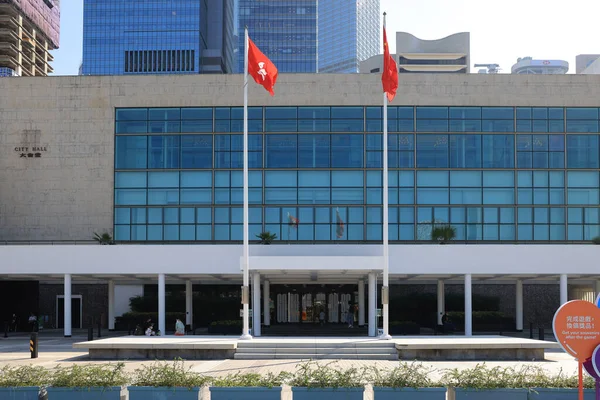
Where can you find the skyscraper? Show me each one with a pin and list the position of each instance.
(310, 35)
(286, 31)
(348, 34)
(29, 29)
(170, 37)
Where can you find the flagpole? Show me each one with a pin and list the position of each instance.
(386, 258)
(246, 262)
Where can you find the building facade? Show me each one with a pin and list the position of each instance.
(29, 29)
(584, 61)
(349, 32)
(511, 162)
(286, 32)
(528, 65)
(183, 37)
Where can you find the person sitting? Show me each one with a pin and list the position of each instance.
(150, 330)
(179, 328)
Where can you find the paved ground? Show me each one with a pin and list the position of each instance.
(55, 350)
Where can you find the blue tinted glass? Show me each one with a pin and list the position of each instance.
(347, 151)
(375, 112)
(313, 178)
(497, 125)
(432, 178)
(313, 151)
(465, 196)
(465, 178)
(499, 196)
(314, 125)
(432, 196)
(465, 151)
(196, 151)
(163, 179)
(281, 151)
(347, 125)
(130, 180)
(131, 114)
(122, 215)
(582, 113)
(582, 179)
(498, 179)
(525, 178)
(432, 113)
(197, 113)
(498, 151)
(164, 127)
(465, 112)
(164, 114)
(524, 125)
(314, 112)
(556, 113)
(163, 152)
(163, 196)
(406, 112)
(540, 113)
(524, 113)
(582, 126)
(497, 113)
(582, 151)
(582, 196)
(222, 113)
(465, 125)
(131, 152)
(197, 126)
(347, 179)
(346, 112)
(281, 113)
(432, 151)
(281, 179)
(281, 125)
(432, 125)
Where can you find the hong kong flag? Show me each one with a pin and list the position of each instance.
(261, 68)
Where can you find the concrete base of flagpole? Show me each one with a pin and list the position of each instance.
(385, 337)
(246, 337)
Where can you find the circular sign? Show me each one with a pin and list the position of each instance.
(595, 362)
(576, 326)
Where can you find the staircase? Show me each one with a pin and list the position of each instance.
(316, 348)
(314, 330)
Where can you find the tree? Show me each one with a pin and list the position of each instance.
(104, 238)
(266, 237)
(596, 240)
(443, 233)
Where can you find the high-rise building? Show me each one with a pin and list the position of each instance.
(286, 32)
(529, 66)
(587, 64)
(349, 32)
(309, 35)
(29, 29)
(447, 55)
(167, 37)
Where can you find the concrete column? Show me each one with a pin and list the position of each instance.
(189, 306)
(67, 311)
(372, 305)
(267, 303)
(564, 291)
(468, 307)
(256, 304)
(161, 304)
(441, 301)
(361, 303)
(519, 306)
(111, 305)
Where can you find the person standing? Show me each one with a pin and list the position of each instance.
(350, 318)
(13, 323)
(322, 317)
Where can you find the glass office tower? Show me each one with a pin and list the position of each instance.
(285, 31)
(349, 32)
(167, 37)
(507, 174)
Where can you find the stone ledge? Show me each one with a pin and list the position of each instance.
(488, 354)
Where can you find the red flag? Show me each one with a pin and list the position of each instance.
(261, 68)
(389, 77)
(339, 230)
(293, 221)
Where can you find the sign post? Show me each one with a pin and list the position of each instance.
(576, 326)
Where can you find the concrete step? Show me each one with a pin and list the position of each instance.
(311, 344)
(313, 350)
(313, 356)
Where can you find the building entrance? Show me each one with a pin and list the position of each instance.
(315, 304)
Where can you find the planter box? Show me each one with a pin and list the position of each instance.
(384, 393)
(490, 394)
(560, 394)
(302, 393)
(20, 393)
(82, 393)
(162, 393)
(245, 393)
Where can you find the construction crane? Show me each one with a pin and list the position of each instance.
(491, 68)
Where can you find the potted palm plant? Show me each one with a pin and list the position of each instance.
(23, 383)
(443, 233)
(247, 387)
(87, 382)
(408, 381)
(104, 238)
(164, 380)
(266, 237)
(313, 381)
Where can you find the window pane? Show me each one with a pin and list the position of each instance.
(131, 152)
(347, 151)
(465, 178)
(196, 151)
(465, 151)
(163, 179)
(432, 112)
(313, 151)
(163, 152)
(498, 151)
(131, 114)
(346, 112)
(582, 113)
(432, 151)
(281, 151)
(280, 113)
(582, 151)
(497, 113)
(130, 180)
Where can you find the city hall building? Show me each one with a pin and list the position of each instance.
(511, 162)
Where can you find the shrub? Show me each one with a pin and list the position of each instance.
(93, 375)
(23, 376)
(131, 319)
(527, 377)
(251, 380)
(407, 375)
(314, 375)
(165, 374)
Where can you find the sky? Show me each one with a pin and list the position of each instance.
(501, 31)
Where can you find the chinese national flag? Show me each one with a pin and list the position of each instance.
(389, 77)
(261, 68)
